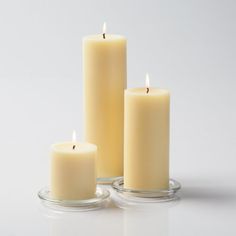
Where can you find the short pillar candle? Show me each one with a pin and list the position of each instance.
(73, 171)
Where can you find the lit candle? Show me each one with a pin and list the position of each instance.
(104, 67)
(146, 142)
(73, 170)
(104, 29)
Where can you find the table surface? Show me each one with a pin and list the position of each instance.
(206, 207)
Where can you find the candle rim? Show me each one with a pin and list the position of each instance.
(81, 147)
(109, 37)
(154, 91)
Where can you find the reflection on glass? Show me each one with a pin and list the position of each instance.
(98, 222)
(141, 222)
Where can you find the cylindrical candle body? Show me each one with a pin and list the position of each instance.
(104, 68)
(73, 171)
(146, 144)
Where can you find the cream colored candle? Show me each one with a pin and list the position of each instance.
(73, 171)
(146, 144)
(104, 67)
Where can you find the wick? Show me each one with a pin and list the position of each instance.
(104, 35)
(74, 147)
(147, 90)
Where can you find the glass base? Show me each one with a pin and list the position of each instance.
(100, 200)
(156, 195)
(107, 180)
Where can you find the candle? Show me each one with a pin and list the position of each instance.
(104, 67)
(73, 170)
(146, 138)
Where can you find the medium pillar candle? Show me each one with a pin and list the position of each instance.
(73, 171)
(146, 139)
(104, 68)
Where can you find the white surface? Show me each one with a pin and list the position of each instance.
(187, 46)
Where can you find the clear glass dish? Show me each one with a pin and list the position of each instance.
(100, 200)
(155, 195)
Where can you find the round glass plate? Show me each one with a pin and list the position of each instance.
(156, 195)
(100, 200)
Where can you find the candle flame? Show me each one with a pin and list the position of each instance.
(74, 136)
(104, 28)
(147, 82)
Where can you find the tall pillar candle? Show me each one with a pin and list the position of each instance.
(146, 144)
(104, 68)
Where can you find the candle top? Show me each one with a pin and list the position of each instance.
(67, 147)
(143, 91)
(99, 37)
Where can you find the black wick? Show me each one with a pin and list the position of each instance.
(74, 147)
(104, 35)
(147, 90)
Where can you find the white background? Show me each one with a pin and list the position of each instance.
(187, 46)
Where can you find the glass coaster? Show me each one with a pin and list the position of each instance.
(100, 200)
(107, 180)
(156, 195)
